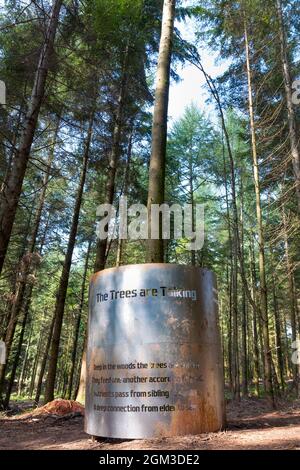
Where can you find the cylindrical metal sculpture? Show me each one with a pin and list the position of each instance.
(154, 362)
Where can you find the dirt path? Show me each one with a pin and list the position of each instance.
(251, 425)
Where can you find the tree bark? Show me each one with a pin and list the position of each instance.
(80, 396)
(43, 364)
(25, 361)
(229, 269)
(14, 143)
(261, 240)
(156, 188)
(294, 141)
(16, 361)
(235, 329)
(101, 251)
(255, 325)
(78, 321)
(292, 300)
(244, 355)
(278, 336)
(192, 202)
(124, 193)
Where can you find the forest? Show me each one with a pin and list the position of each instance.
(84, 122)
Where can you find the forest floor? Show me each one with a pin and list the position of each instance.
(252, 424)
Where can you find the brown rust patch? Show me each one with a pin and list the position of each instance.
(202, 419)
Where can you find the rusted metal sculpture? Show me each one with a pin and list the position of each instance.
(154, 362)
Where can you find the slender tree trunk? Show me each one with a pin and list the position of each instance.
(35, 368)
(16, 361)
(125, 192)
(235, 329)
(10, 196)
(287, 356)
(244, 355)
(228, 269)
(24, 365)
(230, 373)
(44, 363)
(278, 336)
(236, 244)
(14, 143)
(256, 352)
(65, 367)
(292, 301)
(261, 241)
(267, 352)
(64, 279)
(235, 221)
(78, 321)
(192, 202)
(25, 308)
(255, 326)
(80, 397)
(42, 198)
(156, 189)
(101, 251)
(294, 140)
(37, 358)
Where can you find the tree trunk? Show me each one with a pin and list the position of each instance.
(255, 326)
(156, 189)
(125, 192)
(192, 202)
(235, 329)
(43, 364)
(10, 196)
(261, 241)
(244, 355)
(14, 143)
(278, 336)
(292, 300)
(101, 251)
(267, 352)
(294, 141)
(80, 397)
(64, 279)
(78, 321)
(37, 357)
(229, 269)
(24, 365)
(16, 361)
